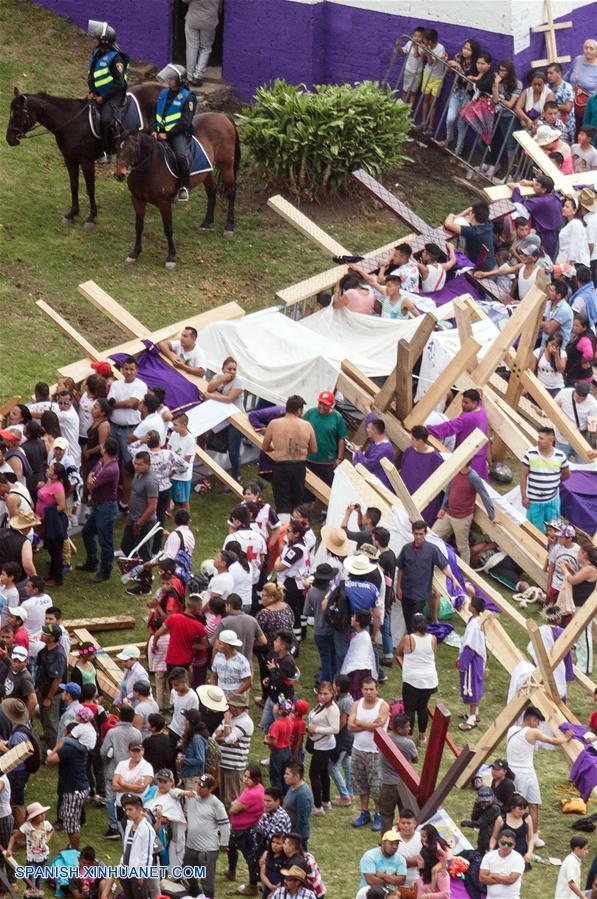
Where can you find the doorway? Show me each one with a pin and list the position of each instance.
(179, 10)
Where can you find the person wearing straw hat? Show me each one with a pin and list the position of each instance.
(234, 739)
(37, 832)
(550, 140)
(587, 200)
(361, 592)
(295, 879)
(15, 545)
(212, 705)
(16, 712)
(334, 545)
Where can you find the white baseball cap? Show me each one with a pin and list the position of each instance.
(129, 652)
(229, 637)
(20, 653)
(18, 612)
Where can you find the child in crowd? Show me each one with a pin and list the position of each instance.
(436, 854)
(569, 876)
(37, 833)
(278, 739)
(297, 718)
(271, 863)
(433, 76)
(584, 154)
(359, 662)
(95, 768)
(84, 731)
(522, 229)
(503, 281)
(471, 664)
(413, 67)
(565, 549)
(54, 616)
(182, 443)
(9, 595)
(156, 658)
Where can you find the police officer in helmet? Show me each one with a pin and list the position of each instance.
(106, 80)
(173, 120)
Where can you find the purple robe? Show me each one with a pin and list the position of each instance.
(472, 676)
(583, 773)
(371, 456)
(462, 426)
(415, 468)
(546, 213)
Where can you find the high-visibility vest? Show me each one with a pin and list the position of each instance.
(99, 70)
(167, 118)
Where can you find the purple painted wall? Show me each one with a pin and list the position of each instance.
(144, 27)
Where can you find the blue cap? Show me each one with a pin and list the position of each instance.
(72, 688)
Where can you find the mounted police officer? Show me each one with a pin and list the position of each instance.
(106, 80)
(173, 120)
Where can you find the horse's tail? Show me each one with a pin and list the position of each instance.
(236, 144)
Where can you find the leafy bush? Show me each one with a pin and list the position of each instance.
(312, 140)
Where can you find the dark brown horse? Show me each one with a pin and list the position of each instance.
(68, 121)
(149, 180)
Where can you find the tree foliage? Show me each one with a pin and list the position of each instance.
(311, 141)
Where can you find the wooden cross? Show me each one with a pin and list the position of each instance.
(549, 30)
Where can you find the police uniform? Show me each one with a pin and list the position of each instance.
(173, 117)
(108, 77)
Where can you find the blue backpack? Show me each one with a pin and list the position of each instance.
(183, 562)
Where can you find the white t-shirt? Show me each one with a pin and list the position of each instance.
(409, 849)
(251, 543)
(5, 809)
(574, 246)
(36, 607)
(583, 160)
(69, 428)
(85, 417)
(223, 583)
(119, 391)
(143, 769)
(588, 407)
(414, 64)
(549, 377)
(242, 583)
(194, 357)
(590, 221)
(179, 705)
(172, 545)
(570, 870)
(436, 69)
(151, 422)
(183, 447)
(496, 864)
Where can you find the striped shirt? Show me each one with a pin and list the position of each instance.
(236, 744)
(544, 475)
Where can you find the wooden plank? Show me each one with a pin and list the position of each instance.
(113, 650)
(355, 373)
(542, 160)
(90, 351)
(410, 506)
(115, 312)
(8, 404)
(107, 686)
(396, 759)
(404, 380)
(102, 660)
(555, 417)
(446, 785)
(78, 371)
(459, 363)
(360, 399)
(493, 735)
(368, 495)
(573, 630)
(306, 226)
(510, 543)
(221, 473)
(433, 752)
(543, 662)
(442, 476)
(503, 192)
(108, 623)
(388, 497)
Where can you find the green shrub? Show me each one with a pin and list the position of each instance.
(311, 141)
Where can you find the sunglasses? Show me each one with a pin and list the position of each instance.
(506, 843)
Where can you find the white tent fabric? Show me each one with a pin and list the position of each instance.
(278, 357)
(441, 348)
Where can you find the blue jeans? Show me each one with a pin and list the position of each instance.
(267, 716)
(344, 784)
(327, 654)
(568, 451)
(278, 760)
(111, 805)
(100, 524)
(386, 637)
(341, 643)
(453, 120)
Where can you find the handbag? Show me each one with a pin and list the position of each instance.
(309, 745)
(565, 600)
(581, 97)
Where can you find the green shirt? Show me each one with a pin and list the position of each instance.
(329, 429)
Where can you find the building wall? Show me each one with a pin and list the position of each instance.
(144, 27)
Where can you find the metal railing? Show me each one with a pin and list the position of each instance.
(502, 152)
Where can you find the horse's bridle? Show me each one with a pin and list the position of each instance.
(26, 121)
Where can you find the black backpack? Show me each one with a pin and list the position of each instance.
(33, 763)
(337, 613)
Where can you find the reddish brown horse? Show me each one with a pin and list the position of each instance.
(149, 181)
(68, 121)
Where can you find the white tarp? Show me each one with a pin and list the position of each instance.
(441, 348)
(278, 357)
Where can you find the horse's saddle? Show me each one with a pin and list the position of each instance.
(129, 116)
(198, 158)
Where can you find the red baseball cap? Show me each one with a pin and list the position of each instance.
(326, 397)
(10, 436)
(102, 368)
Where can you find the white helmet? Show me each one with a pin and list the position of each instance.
(208, 568)
(173, 70)
(101, 30)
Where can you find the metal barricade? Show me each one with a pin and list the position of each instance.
(502, 152)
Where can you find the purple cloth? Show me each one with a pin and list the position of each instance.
(259, 419)
(371, 456)
(546, 213)
(463, 425)
(578, 497)
(456, 584)
(439, 629)
(153, 371)
(472, 676)
(453, 288)
(415, 468)
(583, 773)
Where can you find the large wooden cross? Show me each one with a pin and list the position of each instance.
(549, 30)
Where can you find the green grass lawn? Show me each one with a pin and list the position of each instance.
(42, 258)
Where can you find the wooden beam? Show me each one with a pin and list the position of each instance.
(219, 472)
(542, 661)
(397, 760)
(459, 363)
(407, 356)
(493, 735)
(446, 785)
(555, 417)
(505, 430)
(573, 630)
(90, 351)
(306, 226)
(355, 373)
(442, 476)
(108, 623)
(510, 543)
(361, 400)
(115, 312)
(433, 752)
(410, 506)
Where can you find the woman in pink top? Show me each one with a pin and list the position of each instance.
(351, 294)
(244, 813)
(51, 508)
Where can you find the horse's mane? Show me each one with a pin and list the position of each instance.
(52, 98)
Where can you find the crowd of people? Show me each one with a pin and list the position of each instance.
(558, 107)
